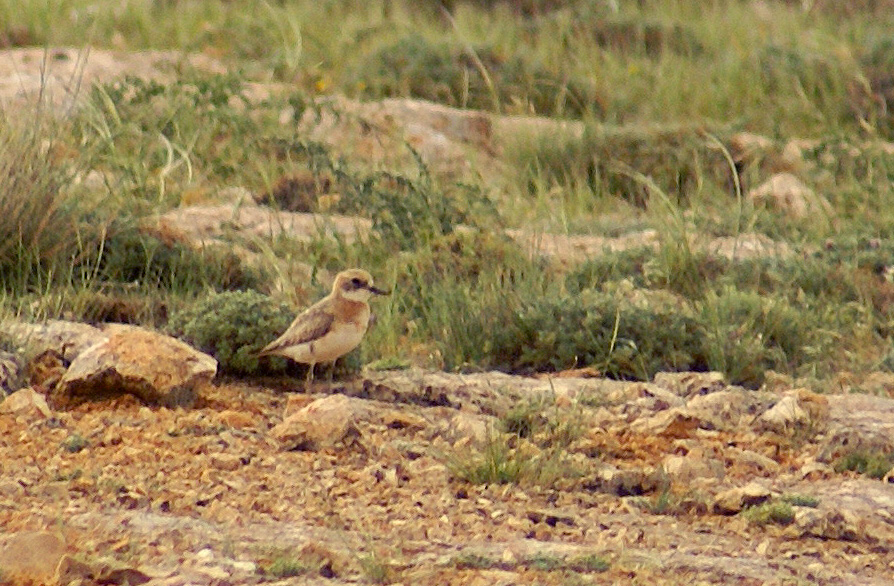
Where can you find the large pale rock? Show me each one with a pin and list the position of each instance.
(788, 194)
(156, 368)
(31, 556)
(322, 424)
(26, 73)
(671, 423)
(463, 428)
(209, 224)
(752, 459)
(858, 423)
(448, 140)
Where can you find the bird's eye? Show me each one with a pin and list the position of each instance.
(356, 282)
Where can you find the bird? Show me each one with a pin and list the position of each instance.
(330, 328)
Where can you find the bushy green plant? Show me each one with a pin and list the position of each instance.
(233, 327)
(74, 443)
(497, 463)
(610, 267)
(474, 561)
(589, 563)
(597, 329)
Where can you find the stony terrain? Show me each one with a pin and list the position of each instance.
(358, 482)
(413, 476)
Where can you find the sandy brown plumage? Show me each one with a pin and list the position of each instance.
(333, 326)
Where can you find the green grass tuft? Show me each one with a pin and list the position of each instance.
(872, 464)
(776, 511)
(800, 500)
(286, 567)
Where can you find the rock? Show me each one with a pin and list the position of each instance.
(237, 419)
(858, 423)
(630, 482)
(115, 575)
(686, 469)
(461, 428)
(205, 225)
(798, 409)
(448, 140)
(228, 462)
(783, 416)
(322, 424)
(690, 384)
(67, 338)
(754, 460)
(813, 470)
(26, 402)
(672, 423)
(156, 368)
(32, 556)
(664, 398)
(788, 194)
(68, 570)
(732, 501)
(29, 72)
(826, 524)
(725, 410)
(747, 147)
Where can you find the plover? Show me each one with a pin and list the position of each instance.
(331, 327)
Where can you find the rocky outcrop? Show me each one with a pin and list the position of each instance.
(156, 368)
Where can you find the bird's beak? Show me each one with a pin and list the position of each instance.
(377, 291)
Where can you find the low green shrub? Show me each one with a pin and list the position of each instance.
(233, 327)
(620, 338)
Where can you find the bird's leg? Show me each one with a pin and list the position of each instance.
(332, 372)
(308, 384)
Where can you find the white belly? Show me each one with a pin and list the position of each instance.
(331, 346)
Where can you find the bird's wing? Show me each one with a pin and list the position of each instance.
(307, 327)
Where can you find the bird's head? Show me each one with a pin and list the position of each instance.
(355, 285)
